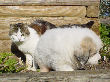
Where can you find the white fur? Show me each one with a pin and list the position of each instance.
(27, 45)
(94, 59)
(56, 47)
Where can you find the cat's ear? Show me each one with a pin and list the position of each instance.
(25, 25)
(89, 24)
(11, 26)
(19, 24)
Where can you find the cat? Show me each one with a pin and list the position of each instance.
(25, 38)
(67, 49)
(44, 25)
(19, 54)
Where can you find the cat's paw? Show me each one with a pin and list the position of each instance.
(94, 60)
(31, 69)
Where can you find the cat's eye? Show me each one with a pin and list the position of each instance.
(78, 58)
(22, 35)
(15, 29)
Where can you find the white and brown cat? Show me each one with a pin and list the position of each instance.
(25, 38)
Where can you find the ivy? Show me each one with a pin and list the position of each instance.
(105, 36)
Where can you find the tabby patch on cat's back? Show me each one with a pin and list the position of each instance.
(41, 26)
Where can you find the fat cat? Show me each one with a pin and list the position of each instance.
(25, 38)
(40, 27)
(67, 49)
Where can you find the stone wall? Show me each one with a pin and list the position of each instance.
(58, 12)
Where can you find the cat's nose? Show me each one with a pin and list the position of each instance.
(20, 39)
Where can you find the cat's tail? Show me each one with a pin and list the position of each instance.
(90, 24)
(87, 25)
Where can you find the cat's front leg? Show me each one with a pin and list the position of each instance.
(44, 69)
(34, 64)
(29, 62)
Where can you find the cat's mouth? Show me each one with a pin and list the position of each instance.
(17, 39)
(18, 42)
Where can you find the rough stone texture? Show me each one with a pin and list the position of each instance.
(5, 45)
(40, 11)
(4, 30)
(76, 76)
(6, 21)
(92, 11)
(49, 2)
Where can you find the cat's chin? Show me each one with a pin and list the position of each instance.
(18, 42)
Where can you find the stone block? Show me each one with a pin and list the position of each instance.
(43, 11)
(5, 46)
(92, 11)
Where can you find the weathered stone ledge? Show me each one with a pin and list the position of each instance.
(76, 76)
(49, 2)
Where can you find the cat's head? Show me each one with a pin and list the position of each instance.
(18, 32)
